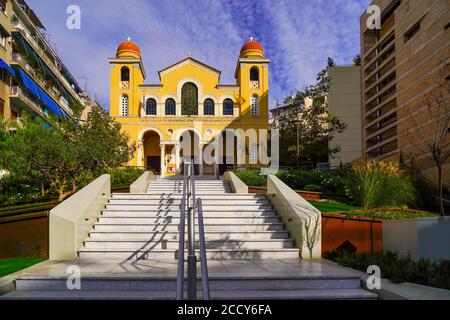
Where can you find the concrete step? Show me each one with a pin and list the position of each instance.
(168, 283)
(176, 220)
(162, 196)
(205, 202)
(208, 207)
(158, 242)
(322, 294)
(176, 213)
(126, 227)
(163, 254)
(136, 236)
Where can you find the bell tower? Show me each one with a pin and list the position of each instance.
(126, 74)
(252, 75)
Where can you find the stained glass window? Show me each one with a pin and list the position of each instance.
(189, 99)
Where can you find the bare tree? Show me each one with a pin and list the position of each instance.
(312, 233)
(431, 125)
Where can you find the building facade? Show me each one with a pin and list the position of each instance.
(400, 63)
(33, 77)
(344, 102)
(188, 102)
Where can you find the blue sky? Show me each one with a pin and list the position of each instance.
(298, 35)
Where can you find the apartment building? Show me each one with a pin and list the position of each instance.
(344, 102)
(400, 63)
(34, 79)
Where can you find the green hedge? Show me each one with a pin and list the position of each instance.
(251, 178)
(397, 268)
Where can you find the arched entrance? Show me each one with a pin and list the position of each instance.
(152, 151)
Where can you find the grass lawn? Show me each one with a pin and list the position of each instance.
(8, 266)
(332, 207)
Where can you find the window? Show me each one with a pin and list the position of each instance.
(189, 99)
(150, 107)
(3, 6)
(228, 107)
(254, 74)
(254, 106)
(170, 107)
(125, 74)
(208, 107)
(412, 32)
(3, 37)
(124, 105)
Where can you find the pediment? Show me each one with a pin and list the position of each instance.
(189, 61)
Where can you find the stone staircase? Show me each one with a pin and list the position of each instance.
(145, 226)
(130, 253)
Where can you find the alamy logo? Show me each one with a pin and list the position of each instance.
(73, 21)
(374, 19)
(374, 280)
(74, 280)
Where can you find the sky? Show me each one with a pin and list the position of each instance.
(297, 35)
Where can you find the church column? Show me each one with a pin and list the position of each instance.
(163, 160)
(177, 158)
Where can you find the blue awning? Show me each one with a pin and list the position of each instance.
(49, 102)
(4, 65)
(29, 84)
(38, 93)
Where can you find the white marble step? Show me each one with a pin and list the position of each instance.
(162, 196)
(206, 202)
(208, 207)
(235, 227)
(317, 294)
(235, 254)
(133, 236)
(176, 213)
(176, 220)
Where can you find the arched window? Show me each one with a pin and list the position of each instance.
(254, 74)
(189, 99)
(254, 103)
(208, 107)
(124, 105)
(125, 74)
(228, 107)
(150, 107)
(171, 108)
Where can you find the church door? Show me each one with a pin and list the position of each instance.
(154, 164)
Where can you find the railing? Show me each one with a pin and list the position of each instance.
(190, 204)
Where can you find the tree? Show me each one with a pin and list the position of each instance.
(60, 151)
(431, 125)
(307, 132)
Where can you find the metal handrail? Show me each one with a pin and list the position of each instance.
(189, 202)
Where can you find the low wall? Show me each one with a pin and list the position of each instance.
(301, 219)
(237, 186)
(141, 184)
(427, 238)
(71, 221)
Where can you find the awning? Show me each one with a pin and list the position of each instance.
(38, 93)
(4, 65)
(49, 103)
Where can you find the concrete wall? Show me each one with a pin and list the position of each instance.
(420, 238)
(71, 221)
(140, 185)
(237, 185)
(345, 103)
(297, 214)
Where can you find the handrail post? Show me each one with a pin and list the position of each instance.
(204, 266)
(192, 259)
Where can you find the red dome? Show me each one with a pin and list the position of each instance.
(252, 45)
(128, 46)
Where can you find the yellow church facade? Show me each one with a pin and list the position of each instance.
(189, 101)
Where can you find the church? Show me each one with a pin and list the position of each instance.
(188, 102)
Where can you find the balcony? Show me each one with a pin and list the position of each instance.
(16, 92)
(52, 64)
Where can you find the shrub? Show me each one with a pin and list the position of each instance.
(380, 184)
(251, 178)
(312, 187)
(397, 268)
(124, 176)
